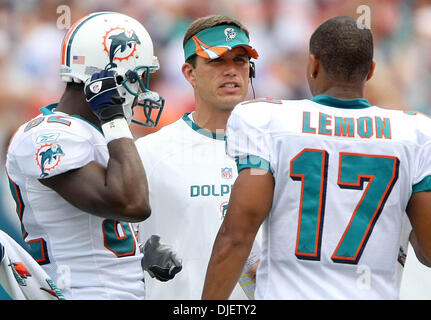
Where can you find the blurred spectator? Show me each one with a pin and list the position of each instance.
(280, 31)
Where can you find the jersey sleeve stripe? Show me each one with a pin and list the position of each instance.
(424, 185)
(254, 162)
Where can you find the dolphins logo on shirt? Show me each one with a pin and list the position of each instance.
(20, 272)
(223, 209)
(53, 290)
(48, 157)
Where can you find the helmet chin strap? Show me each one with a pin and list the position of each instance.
(128, 113)
(127, 105)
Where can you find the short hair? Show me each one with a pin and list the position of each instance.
(208, 22)
(344, 49)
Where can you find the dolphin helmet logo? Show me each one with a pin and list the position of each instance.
(120, 44)
(48, 157)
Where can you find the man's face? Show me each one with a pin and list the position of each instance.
(222, 83)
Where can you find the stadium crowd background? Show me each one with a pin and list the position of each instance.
(30, 39)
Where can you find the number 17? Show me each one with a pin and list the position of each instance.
(310, 167)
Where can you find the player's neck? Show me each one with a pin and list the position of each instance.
(211, 119)
(73, 102)
(344, 92)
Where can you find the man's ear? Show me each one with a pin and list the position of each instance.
(314, 66)
(189, 73)
(371, 72)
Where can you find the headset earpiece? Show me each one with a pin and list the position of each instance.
(252, 71)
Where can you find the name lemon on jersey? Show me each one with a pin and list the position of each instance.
(362, 127)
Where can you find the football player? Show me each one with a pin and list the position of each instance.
(74, 169)
(330, 178)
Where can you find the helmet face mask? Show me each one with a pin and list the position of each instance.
(136, 83)
(114, 41)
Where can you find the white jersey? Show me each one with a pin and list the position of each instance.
(21, 276)
(344, 172)
(190, 178)
(88, 257)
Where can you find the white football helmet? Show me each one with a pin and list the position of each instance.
(114, 41)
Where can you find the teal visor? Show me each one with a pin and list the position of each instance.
(213, 42)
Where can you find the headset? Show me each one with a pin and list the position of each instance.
(252, 74)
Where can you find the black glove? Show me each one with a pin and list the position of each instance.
(159, 260)
(103, 97)
(1, 252)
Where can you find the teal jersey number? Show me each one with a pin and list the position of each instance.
(118, 238)
(310, 167)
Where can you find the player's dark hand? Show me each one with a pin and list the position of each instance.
(103, 97)
(159, 260)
